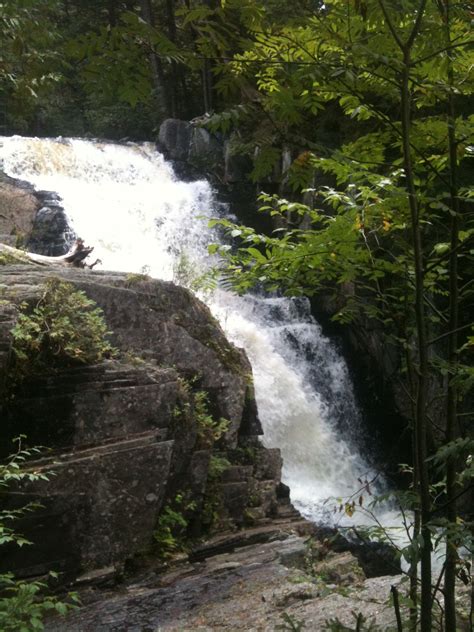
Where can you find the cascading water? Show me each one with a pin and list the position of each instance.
(126, 201)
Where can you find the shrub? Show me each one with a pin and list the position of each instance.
(65, 327)
(217, 465)
(23, 604)
(210, 430)
(170, 534)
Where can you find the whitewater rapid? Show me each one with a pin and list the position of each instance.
(126, 201)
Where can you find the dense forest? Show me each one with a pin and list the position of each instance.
(372, 101)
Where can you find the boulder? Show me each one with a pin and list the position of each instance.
(174, 139)
(34, 219)
(125, 435)
(98, 508)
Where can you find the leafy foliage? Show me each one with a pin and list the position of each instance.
(372, 102)
(117, 54)
(387, 226)
(29, 62)
(290, 623)
(23, 604)
(210, 430)
(64, 327)
(170, 534)
(217, 465)
(361, 623)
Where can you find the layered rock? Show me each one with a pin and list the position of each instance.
(261, 579)
(125, 435)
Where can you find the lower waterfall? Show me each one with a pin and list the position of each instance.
(126, 201)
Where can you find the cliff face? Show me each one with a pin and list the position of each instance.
(130, 437)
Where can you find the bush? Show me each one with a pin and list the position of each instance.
(171, 531)
(23, 604)
(210, 430)
(64, 328)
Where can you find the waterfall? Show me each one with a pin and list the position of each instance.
(126, 201)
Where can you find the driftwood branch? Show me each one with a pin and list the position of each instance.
(75, 257)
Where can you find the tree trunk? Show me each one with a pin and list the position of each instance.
(207, 84)
(421, 471)
(421, 421)
(453, 324)
(176, 71)
(112, 11)
(157, 72)
(413, 571)
(66, 10)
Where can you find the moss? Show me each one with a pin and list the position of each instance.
(134, 359)
(218, 464)
(134, 279)
(213, 515)
(229, 356)
(249, 518)
(254, 500)
(209, 335)
(209, 429)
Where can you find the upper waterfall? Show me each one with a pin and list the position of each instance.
(126, 201)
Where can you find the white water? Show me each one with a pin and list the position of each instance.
(126, 201)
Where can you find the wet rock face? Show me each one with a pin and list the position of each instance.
(33, 219)
(18, 206)
(269, 577)
(192, 149)
(174, 138)
(125, 434)
(51, 234)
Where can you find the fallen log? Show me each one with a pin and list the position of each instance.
(75, 257)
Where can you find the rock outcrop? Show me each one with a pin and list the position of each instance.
(127, 436)
(51, 233)
(195, 151)
(18, 207)
(189, 146)
(264, 580)
(34, 219)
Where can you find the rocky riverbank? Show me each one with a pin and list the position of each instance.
(276, 577)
